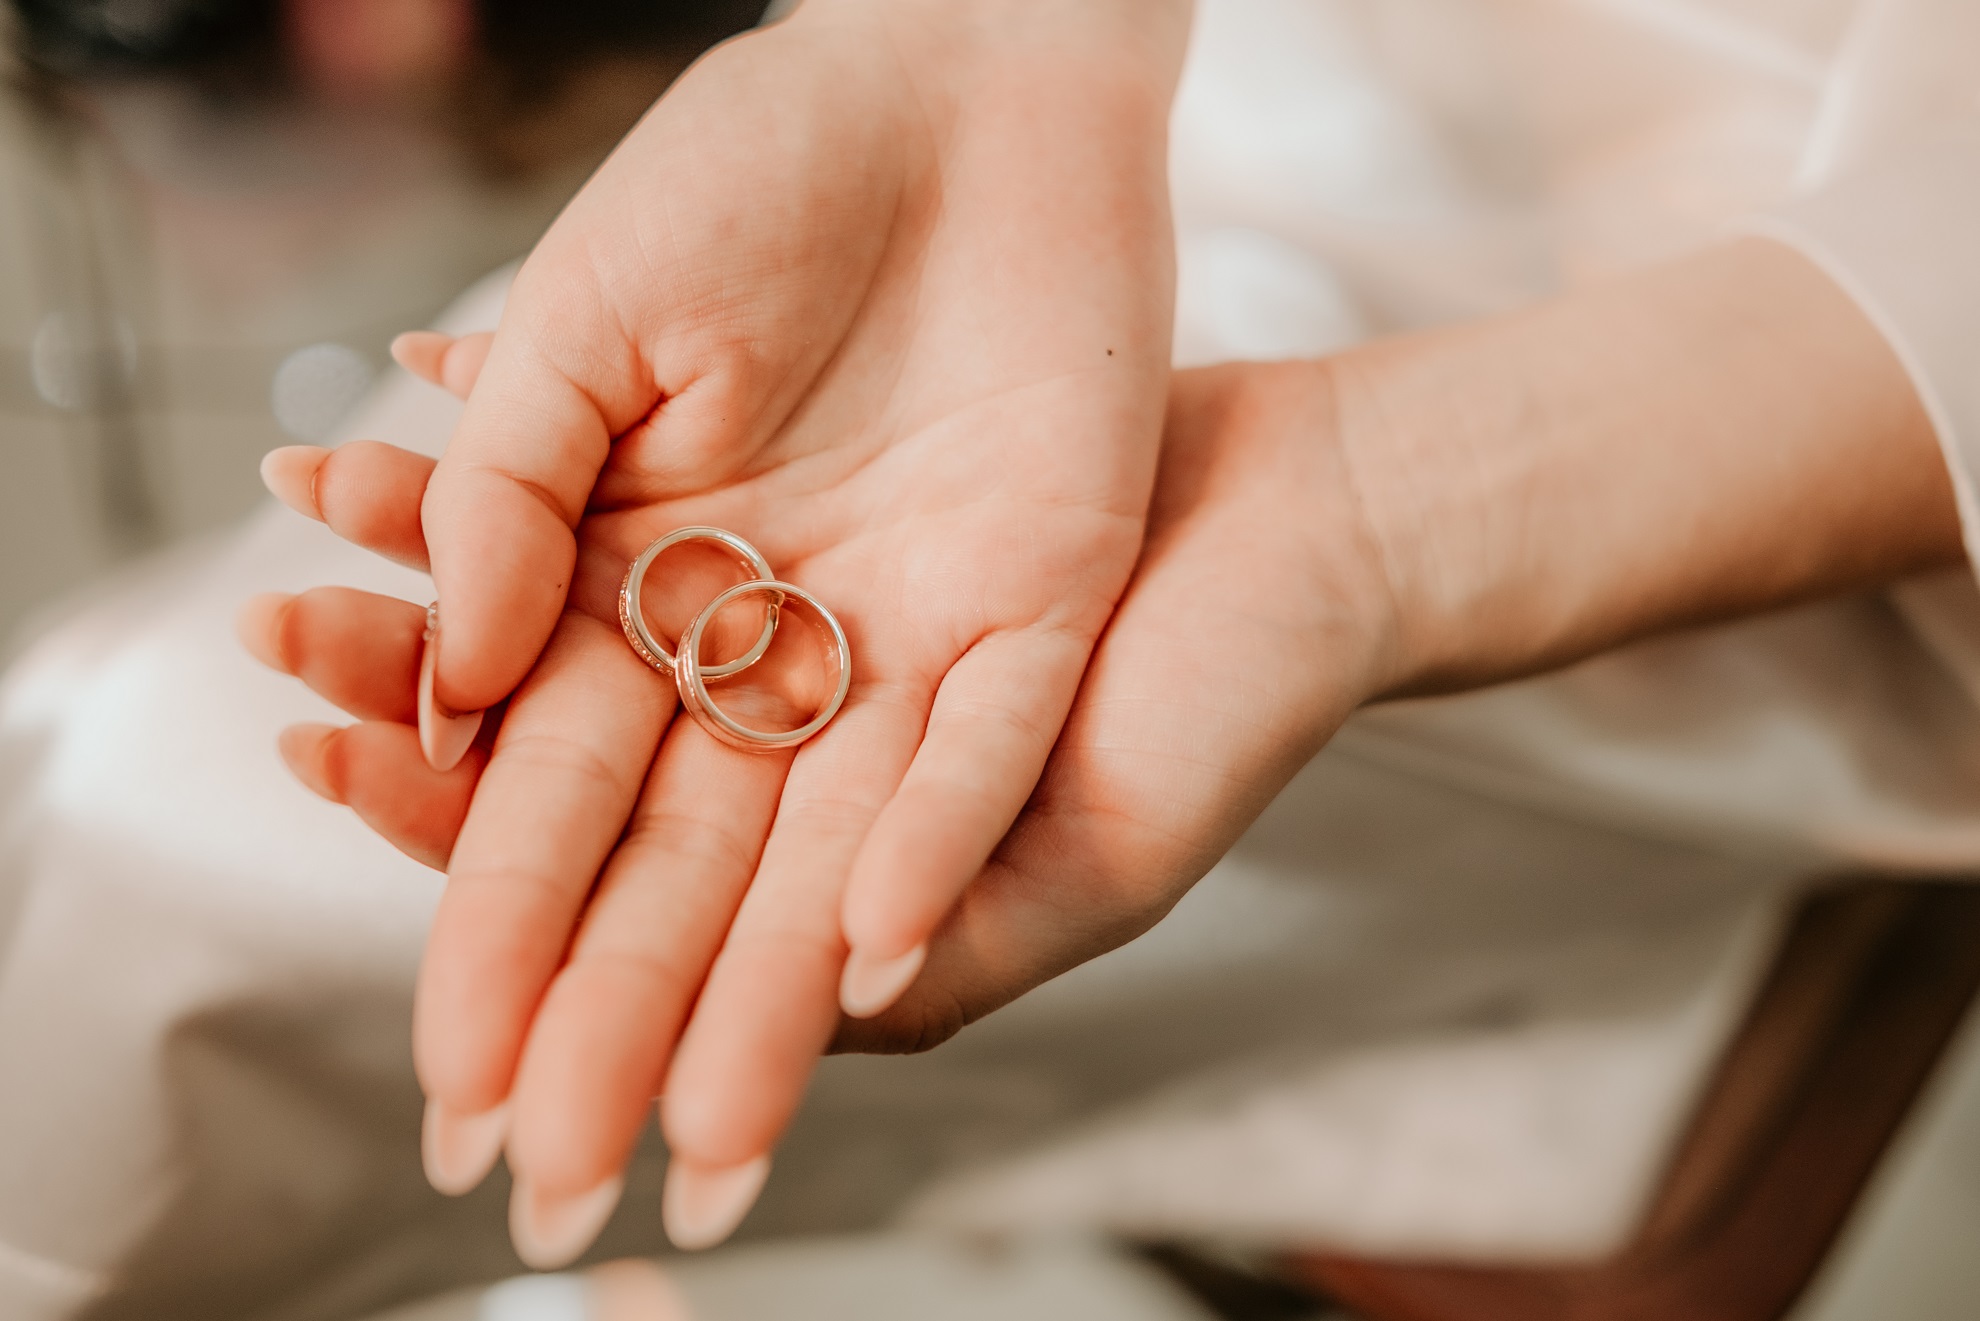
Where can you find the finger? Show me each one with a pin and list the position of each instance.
(565, 772)
(770, 1003)
(421, 353)
(1078, 875)
(560, 381)
(599, 1045)
(442, 360)
(1165, 758)
(368, 493)
(377, 771)
(355, 649)
(991, 729)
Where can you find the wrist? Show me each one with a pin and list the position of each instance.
(1722, 435)
(1432, 430)
(1261, 447)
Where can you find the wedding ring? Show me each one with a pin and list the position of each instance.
(633, 619)
(692, 677)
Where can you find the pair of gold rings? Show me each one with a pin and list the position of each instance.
(692, 677)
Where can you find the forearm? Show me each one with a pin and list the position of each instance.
(1711, 438)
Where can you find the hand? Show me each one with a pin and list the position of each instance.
(1385, 522)
(1256, 549)
(1720, 435)
(884, 289)
(1259, 617)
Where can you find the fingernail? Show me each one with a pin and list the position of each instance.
(444, 736)
(258, 626)
(421, 353)
(702, 1204)
(870, 985)
(289, 474)
(552, 1232)
(301, 747)
(459, 1149)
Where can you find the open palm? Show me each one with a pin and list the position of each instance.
(1256, 620)
(815, 298)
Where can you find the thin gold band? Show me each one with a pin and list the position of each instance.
(633, 620)
(692, 678)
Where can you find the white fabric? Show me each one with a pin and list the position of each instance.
(1344, 167)
(1451, 997)
(1382, 165)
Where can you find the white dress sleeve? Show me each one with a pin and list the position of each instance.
(1850, 729)
(1901, 234)
(1891, 211)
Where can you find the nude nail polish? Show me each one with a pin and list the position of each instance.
(458, 1149)
(702, 1204)
(551, 1232)
(289, 474)
(870, 985)
(444, 735)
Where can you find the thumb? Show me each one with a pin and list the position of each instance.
(561, 380)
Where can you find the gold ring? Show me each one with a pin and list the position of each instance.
(692, 678)
(633, 620)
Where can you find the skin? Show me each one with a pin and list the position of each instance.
(1714, 437)
(804, 301)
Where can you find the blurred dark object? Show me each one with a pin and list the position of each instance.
(1868, 988)
(522, 83)
(528, 31)
(1233, 1291)
(107, 38)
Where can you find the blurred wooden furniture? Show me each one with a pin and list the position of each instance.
(1870, 983)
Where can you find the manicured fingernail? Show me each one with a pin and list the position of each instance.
(459, 1149)
(870, 986)
(258, 626)
(444, 736)
(702, 1204)
(289, 474)
(421, 353)
(301, 747)
(552, 1232)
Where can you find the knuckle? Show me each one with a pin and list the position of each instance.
(531, 902)
(703, 846)
(1002, 721)
(633, 968)
(545, 754)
